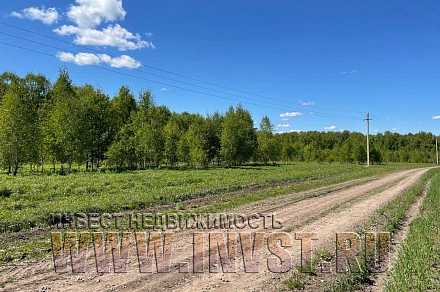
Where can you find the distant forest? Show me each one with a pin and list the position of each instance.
(62, 124)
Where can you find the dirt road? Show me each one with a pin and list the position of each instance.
(324, 211)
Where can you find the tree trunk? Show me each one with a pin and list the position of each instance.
(15, 169)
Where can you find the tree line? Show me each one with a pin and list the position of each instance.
(351, 147)
(62, 124)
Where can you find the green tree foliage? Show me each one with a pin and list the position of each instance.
(268, 147)
(376, 156)
(6, 79)
(122, 152)
(214, 126)
(37, 89)
(94, 128)
(122, 106)
(17, 117)
(171, 136)
(148, 124)
(61, 129)
(183, 149)
(238, 140)
(351, 147)
(64, 123)
(197, 139)
(359, 154)
(288, 152)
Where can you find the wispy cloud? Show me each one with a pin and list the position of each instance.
(330, 128)
(112, 36)
(290, 114)
(285, 125)
(436, 117)
(306, 103)
(164, 89)
(83, 59)
(288, 131)
(354, 71)
(46, 16)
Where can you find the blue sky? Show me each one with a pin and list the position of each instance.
(308, 65)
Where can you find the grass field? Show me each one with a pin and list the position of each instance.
(30, 199)
(418, 265)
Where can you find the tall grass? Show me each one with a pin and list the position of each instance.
(418, 265)
(30, 199)
(389, 219)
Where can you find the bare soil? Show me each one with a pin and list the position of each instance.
(397, 240)
(324, 211)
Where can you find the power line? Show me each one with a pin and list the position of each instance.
(283, 107)
(150, 80)
(228, 90)
(367, 120)
(139, 77)
(108, 69)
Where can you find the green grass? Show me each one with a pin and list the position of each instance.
(295, 282)
(386, 219)
(418, 265)
(30, 199)
(17, 249)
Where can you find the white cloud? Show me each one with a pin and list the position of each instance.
(288, 131)
(83, 59)
(88, 15)
(123, 61)
(330, 128)
(306, 103)
(46, 16)
(164, 89)
(290, 114)
(285, 125)
(79, 59)
(91, 13)
(348, 72)
(111, 36)
(436, 117)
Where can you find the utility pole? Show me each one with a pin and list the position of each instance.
(367, 119)
(436, 147)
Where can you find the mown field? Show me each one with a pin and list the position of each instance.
(31, 199)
